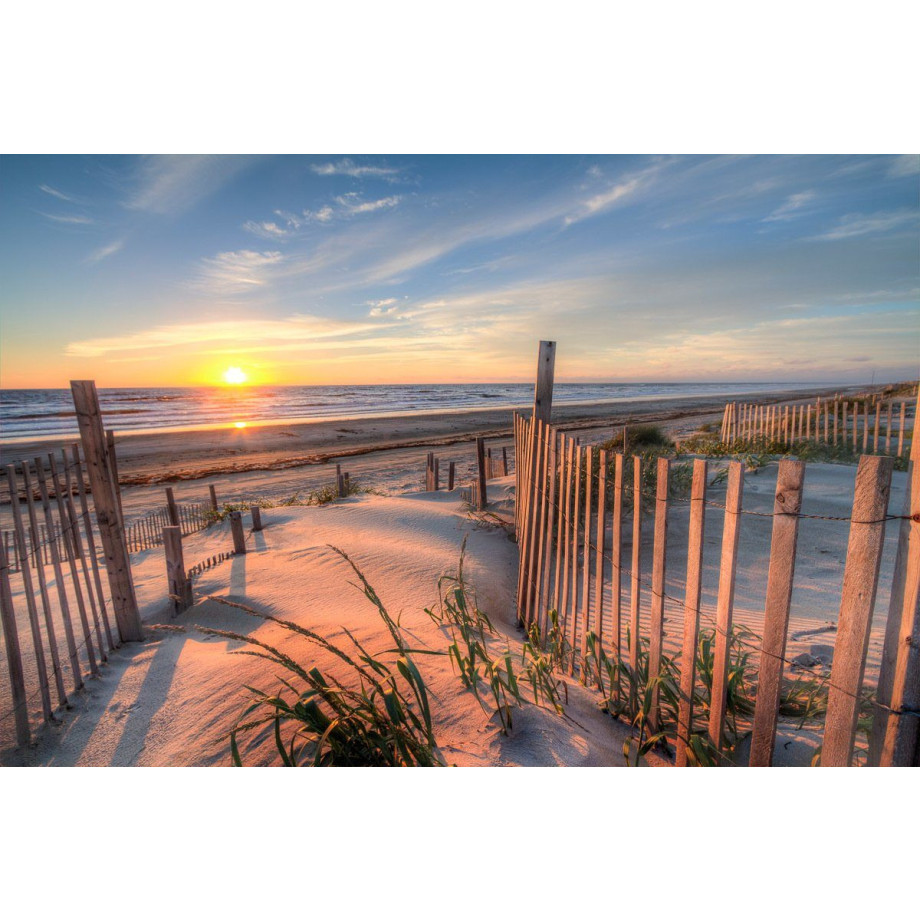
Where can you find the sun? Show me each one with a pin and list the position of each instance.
(235, 376)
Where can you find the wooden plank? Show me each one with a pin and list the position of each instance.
(600, 547)
(586, 560)
(504, 461)
(25, 569)
(786, 507)
(562, 493)
(888, 428)
(725, 602)
(616, 587)
(526, 521)
(77, 543)
(898, 743)
(836, 413)
(634, 597)
(543, 391)
(546, 588)
(69, 544)
(59, 578)
(659, 564)
(860, 582)
(536, 545)
(865, 442)
(104, 487)
(212, 492)
(451, 471)
(567, 539)
(13, 655)
(113, 465)
(693, 590)
(256, 513)
(576, 534)
(901, 425)
(38, 548)
(179, 587)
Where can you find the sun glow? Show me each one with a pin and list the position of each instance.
(234, 376)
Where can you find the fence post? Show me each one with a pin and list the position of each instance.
(450, 476)
(586, 562)
(481, 462)
(113, 461)
(213, 494)
(256, 513)
(13, 656)
(180, 588)
(105, 498)
(236, 528)
(543, 391)
(636, 569)
(172, 512)
(786, 507)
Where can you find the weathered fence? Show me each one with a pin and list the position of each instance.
(62, 617)
(576, 588)
(864, 425)
(146, 531)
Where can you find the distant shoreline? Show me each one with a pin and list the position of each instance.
(150, 458)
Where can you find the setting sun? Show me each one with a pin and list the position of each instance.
(234, 375)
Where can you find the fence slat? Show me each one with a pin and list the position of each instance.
(860, 582)
(545, 583)
(575, 534)
(634, 597)
(25, 569)
(691, 608)
(725, 601)
(38, 549)
(586, 561)
(659, 564)
(13, 654)
(786, 507)
(600, 547)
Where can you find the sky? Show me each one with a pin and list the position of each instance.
(166, 271)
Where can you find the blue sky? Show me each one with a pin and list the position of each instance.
(166, 270)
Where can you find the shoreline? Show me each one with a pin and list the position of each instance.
(146, 458)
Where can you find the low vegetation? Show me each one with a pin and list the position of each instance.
(321, 496)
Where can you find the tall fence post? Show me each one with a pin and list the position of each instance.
(481, 462)
(543, 392)
(172, 511)
(104, 488)
(213, 494)
(180, 588)
(236, 528)
(256, 513)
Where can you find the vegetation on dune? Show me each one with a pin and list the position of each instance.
(321, 496)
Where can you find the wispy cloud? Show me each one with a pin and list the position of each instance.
(173, 184)
(294, 331)
(386, 307)
(607, 198)
(863, 224)
(352, 204)
(348, 167)
(105, 251)
(267, 229)
(906, 165)
(792, 207)
(55, 193)
(68, 218)
(236, 272)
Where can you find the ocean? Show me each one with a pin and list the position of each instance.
(35, 414)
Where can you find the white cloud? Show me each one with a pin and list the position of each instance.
(348, 167)
(906, 165)
(323, 215)
(352, 204)
(267, 229)
(614, 194)
(172, 184)
(68, 218)
(862, 224)
(791, 207)
(233, 272)
(105, 251)
(48, 190)
(386, 307)
(294, 331)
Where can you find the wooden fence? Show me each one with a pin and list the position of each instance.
(67, 625)
(864, 426)
(147, 531)
(575, 585)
